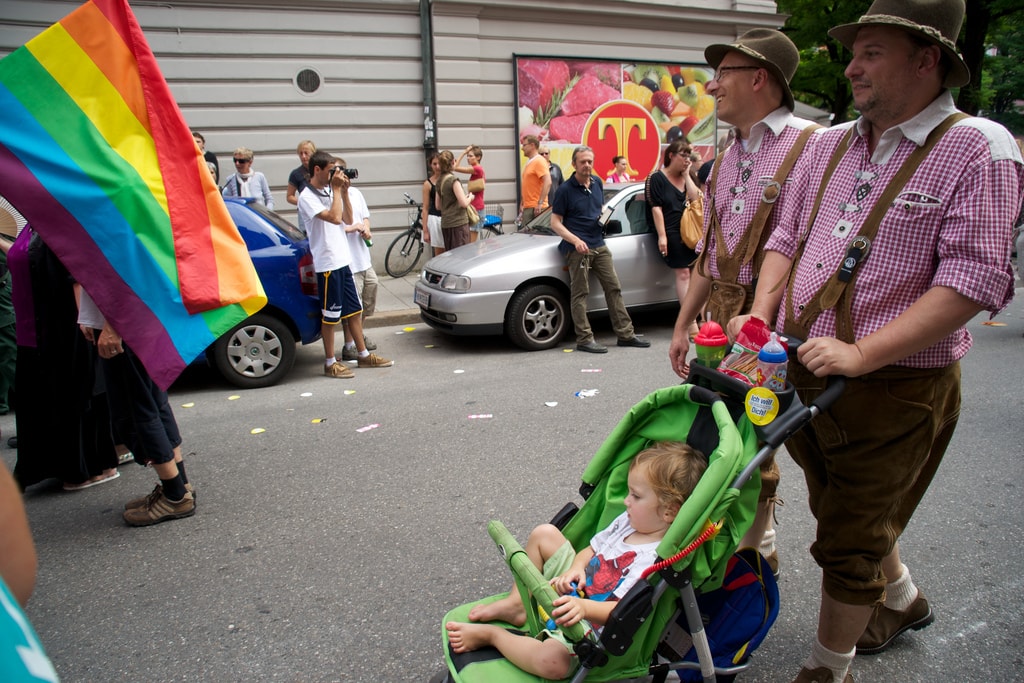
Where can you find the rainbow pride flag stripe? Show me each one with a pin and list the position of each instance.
(95, 153)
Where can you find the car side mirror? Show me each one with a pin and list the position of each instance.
(613, 227)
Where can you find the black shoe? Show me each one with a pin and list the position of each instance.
(592, 347)
(635, 342)
(12, 442)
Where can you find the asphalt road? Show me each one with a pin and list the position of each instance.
(329, 546)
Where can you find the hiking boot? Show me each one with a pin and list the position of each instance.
(370, 346)
(819, 675)
(339, 370)
(350, 353)
(146, 500)
(159, 509)
(375, 361)
(886, 624)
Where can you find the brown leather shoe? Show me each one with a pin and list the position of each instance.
(887, 624)
(819, 675)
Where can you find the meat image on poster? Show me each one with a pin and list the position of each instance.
(620, 109)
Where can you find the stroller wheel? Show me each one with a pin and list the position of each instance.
(441, 677)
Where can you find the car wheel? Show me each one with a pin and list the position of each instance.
(537, 317)
(257, 352)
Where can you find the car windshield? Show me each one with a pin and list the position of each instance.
(280, 223)
(541, 224)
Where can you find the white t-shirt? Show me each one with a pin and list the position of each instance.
(617, 565)
(88, 313)
(326, 240)
(357, 247)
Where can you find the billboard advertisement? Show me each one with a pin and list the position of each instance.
(628, 109)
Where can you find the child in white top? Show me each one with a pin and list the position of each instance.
(661, 478)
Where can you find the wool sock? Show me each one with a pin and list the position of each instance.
(836, 662)
(767, 546)
(174, 489)
(901, 593)
(364, 354)
(330, 361)
(181, 471)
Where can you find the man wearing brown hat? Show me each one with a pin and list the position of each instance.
(747, 189)
(900, 239)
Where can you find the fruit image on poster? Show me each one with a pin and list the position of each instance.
(560, 100)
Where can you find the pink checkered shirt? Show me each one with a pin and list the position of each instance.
(770, 140)
(950, 226)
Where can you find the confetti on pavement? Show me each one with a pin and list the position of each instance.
(349, 392)
(190, 404)
(459, 372)
(368, 427)
(587, 393)
(235, 397)
(318, 420)
(591, 370)
(257, 430)
(551, 404)
(994, 323)
(306, 394)
(482, 416)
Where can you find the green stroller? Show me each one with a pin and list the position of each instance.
(643, 636)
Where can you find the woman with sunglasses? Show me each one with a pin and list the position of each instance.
(245, 182)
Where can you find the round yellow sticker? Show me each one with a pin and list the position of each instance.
(762, 405)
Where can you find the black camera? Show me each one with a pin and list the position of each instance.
(352, 173)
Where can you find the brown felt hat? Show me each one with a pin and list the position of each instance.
(936, 21)
(769, 48)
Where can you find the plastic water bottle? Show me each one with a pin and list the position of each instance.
(772, 364)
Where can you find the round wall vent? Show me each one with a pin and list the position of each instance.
(308, 81)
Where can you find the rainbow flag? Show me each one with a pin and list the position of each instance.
(95, 153)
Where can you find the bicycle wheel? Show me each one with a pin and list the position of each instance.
(403, 253)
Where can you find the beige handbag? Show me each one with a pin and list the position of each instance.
(477, 185)
(691, 225)
(472, 215)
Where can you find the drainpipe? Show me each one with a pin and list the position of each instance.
(429, 98)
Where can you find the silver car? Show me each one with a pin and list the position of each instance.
(518, 284)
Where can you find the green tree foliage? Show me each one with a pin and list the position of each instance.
(991, 41)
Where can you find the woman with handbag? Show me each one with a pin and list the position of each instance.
(431, 218)
(477, 183)
(454, 203)
(668, 192)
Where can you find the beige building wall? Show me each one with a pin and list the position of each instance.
(233, 67)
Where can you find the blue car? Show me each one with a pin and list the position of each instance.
(260, 350)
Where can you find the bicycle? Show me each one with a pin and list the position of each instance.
(405, 251)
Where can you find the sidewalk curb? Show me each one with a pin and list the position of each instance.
(407, 316)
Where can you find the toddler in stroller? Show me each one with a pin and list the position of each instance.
(702, 609)
(590, 582)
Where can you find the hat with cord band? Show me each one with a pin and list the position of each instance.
(769, 48)
(935, 21)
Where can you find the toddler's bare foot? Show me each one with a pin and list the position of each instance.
(509, 609)
(469, 637)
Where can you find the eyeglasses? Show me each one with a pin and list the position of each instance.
(725, 69)
(242, 161)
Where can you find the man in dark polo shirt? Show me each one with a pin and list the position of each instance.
(575, 218)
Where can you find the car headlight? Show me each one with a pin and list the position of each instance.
(455, 283)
